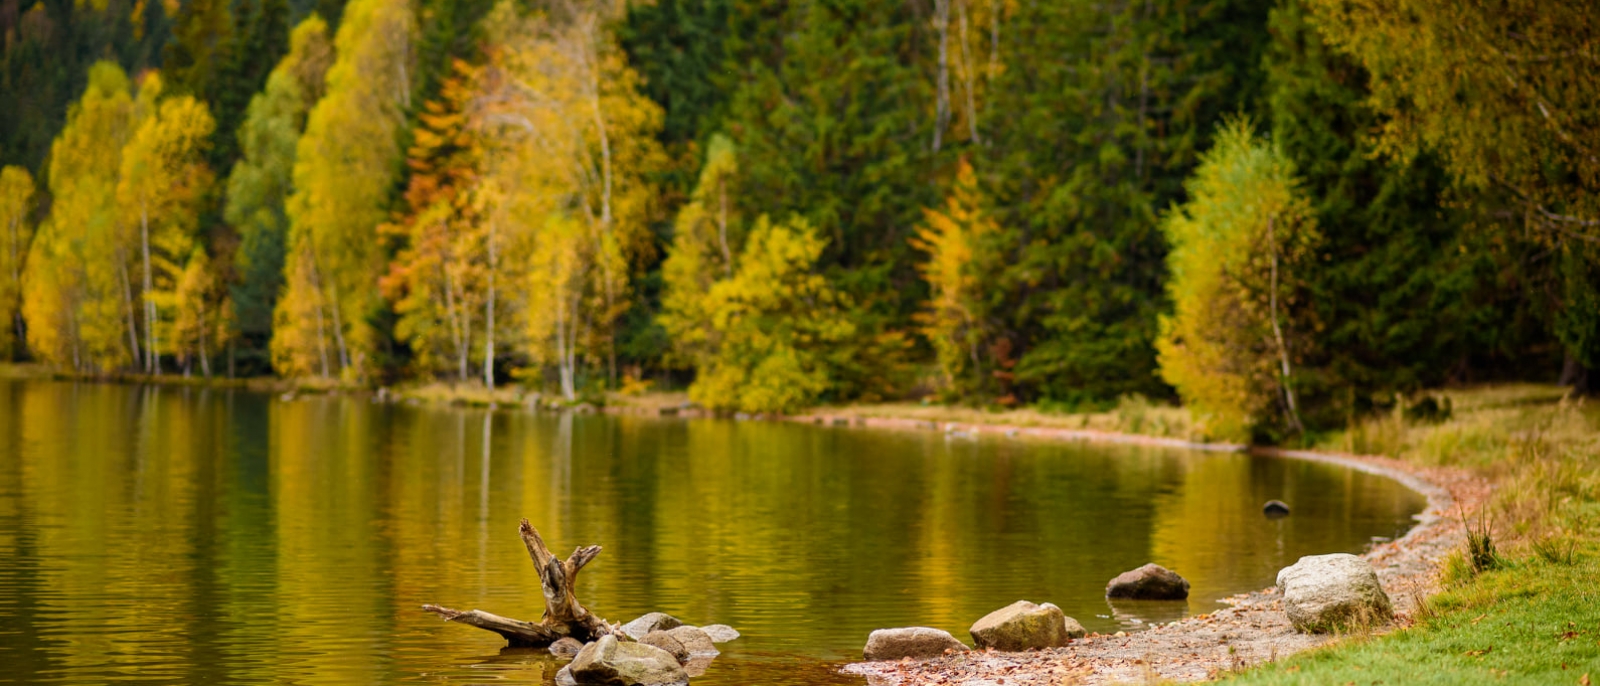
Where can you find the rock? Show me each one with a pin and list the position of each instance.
(697, 642)
(1150, 582)
(566, 647)
(1275, 509)
(721, 633)
(697, 666)
(615, 663)
(914, 642)
(652, 621)
(1020, 626)
(564, 676)
(665, 641)
(1074, 629)
(1323, 593)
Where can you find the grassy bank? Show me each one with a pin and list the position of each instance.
(1526, 607)
(1131, 415)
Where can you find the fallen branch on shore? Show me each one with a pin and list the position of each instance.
(563, 615)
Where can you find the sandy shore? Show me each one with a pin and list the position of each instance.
(1252, 630)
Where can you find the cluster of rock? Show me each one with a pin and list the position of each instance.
(656, 649)
(1321, 593)
(1019, 626)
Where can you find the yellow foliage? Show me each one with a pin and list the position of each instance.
(574, 146)
(16, 204)
(701, 252)
(344, 171)
(75, 279)
(959, 242)
(775, 323)
(1235, 244)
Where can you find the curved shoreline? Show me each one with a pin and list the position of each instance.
(1252, 630)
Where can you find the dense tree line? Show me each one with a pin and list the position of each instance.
(1257, 206)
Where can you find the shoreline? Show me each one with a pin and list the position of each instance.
(1251, 631)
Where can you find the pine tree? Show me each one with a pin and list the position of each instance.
(1503, 94)
(1406, 296)
(261, 182)
(193, 61)
(259, 38)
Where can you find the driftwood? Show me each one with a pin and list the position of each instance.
(563, 614)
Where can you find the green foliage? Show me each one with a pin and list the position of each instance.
(678, 48)
(259, 38)
(45, 58)
(1502, 94)
(1239, 246)
(774, 325)
(261, 181)
(1405, 295)
(1099, 112)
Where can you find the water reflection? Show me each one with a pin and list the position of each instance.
(186, 535)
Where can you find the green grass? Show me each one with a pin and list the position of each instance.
(1521, 601)
(1529, 622)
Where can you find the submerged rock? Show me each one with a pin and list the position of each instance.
(721, 633)
(1020, 626)
(694, 640)
(1150, 582)
(615, 663)
(913, 642)
(665, 641)
(566, 647)
(697, 666)
(648, 622)
(1275, 509)
(1323, 593)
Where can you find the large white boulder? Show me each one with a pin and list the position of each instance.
(1323, 593)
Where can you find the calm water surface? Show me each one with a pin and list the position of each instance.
(185, 535)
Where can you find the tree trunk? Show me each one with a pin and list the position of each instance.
(563, 614)
(127, 302)
(1574, 374)
(488, 316)
(152, 351)
(1277, 333)
(941, 115)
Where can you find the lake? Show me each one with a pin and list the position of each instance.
(185, 535)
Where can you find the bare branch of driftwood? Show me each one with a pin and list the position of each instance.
(563, 614)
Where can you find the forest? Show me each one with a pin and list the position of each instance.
(1284, 214)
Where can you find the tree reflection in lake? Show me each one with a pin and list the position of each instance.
(186, 535)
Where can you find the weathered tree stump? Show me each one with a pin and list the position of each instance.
(563, 614)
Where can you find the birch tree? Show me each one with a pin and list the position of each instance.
(1238, 248)
(344, 172)
(563, 94)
